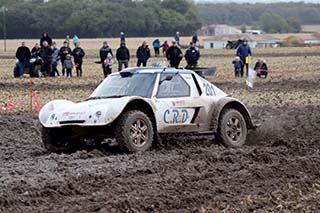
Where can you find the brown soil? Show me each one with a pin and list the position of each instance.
(277, 170)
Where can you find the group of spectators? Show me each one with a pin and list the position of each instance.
(48, 55)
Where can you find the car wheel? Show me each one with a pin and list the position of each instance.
(232, 130)
(134, 132)
(54, 140)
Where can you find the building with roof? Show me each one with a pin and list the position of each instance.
(212, 30)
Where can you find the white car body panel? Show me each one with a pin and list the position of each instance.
(171, 114)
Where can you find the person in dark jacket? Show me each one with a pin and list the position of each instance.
(195, 38)
(244, 52)
(143, 54)
(192, 56)
(261, 68)
(122, 37)
(45, 37)
(46, 55)
(123, 56)
(63, 52)
(156, 46)
(23, 54)
(35, 50)
(78, 54)
(237, 63)
(174, 55)
(105, 57)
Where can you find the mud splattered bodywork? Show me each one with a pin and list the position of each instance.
(176, 101)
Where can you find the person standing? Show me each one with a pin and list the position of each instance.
(237, 63)
(75, 40)
(195, 38)
(156, 46)
(143, 54)
(105, 57)
(177, 38)
(68, 39)
(55, 59)
(122, 37)
(23, 54)
(123, 56)
(63, 52)
(192, 56)
(244, 52)
(68, 65)
(174, 55)
(165, 47)
(45, 37)
(46, 55)
(78, 54)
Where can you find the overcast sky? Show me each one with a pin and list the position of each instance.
(260, 1)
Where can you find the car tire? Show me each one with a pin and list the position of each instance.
(232, 129)
(54, 140)
(134, 132)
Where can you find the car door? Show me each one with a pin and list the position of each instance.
(177, 103)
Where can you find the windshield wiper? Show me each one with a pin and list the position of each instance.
(105, 97)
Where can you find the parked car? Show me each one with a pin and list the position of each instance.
(138, 105)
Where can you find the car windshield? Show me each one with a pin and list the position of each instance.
(141, 84)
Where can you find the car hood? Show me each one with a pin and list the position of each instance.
(98, 112)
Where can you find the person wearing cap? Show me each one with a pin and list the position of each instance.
(105, 54)
(192, 56)
(123, 56)
(63, 52)
(244, 52)
(143, 54)
(174, 55)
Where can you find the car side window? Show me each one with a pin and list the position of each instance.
(174, 88)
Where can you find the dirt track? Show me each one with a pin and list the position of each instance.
(278, 169)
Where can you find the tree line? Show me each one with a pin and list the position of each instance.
(272, 18)
(99, 18)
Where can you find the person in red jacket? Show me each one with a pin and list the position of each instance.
(165, 47)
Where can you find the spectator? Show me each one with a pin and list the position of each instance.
(63, 52)
(46, 55)
(68, 65)
(261, 68)
(156, 47)
(174, 55)
(237, 63)
(192, 56)
(122, 37)
(45, 37)
(143, 54)
(123, 56)
(68, 39)
(105, 57)
(23, 54)
(165, 47)
(195, 38)
(75, 40)
(177, 38)
(55, 59)
(78, 54)
(244, 52)
(35, 52)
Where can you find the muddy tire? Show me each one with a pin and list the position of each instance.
(54, 140)
(232, 130)
(134, 132)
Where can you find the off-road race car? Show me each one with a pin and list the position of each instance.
(138, 105)
(33, 68)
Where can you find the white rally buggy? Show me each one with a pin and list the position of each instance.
(137, 105)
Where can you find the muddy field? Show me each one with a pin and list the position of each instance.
(278, 170)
